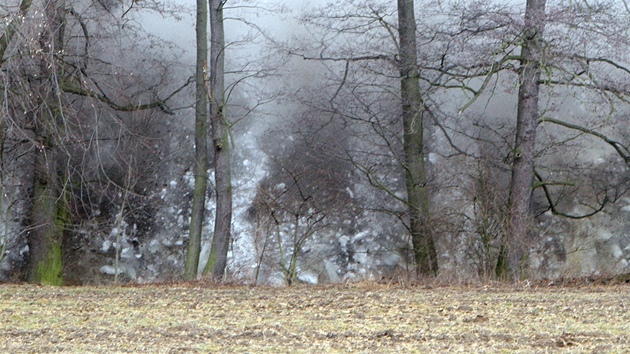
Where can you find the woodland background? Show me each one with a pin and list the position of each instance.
(276, 142)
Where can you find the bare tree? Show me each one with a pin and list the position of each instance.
(201, 143)
(56, 87)
(217, 260)
(553, 54)
(525, 145)
(414, 113)
(383, 67)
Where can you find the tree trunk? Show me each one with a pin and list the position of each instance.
(49, 209)
(217, 260)
(520, 221)
(413, 114)
(201, 144)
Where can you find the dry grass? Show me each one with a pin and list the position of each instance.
(367, 318)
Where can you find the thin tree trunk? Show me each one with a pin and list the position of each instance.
(217, 260)
(201, 144)
(413, 114)
(520, 221)
(49, 209)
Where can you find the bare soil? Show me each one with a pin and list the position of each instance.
(359, 318)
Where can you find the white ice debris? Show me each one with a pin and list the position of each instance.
(391, 258)
(343, 243)
(126, 253)
(110, 270)
(173, 184)
(604, 235)
(332, 271)
(361, 235)
(107, 244)
(308, 277)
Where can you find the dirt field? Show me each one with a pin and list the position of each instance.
(366, 318)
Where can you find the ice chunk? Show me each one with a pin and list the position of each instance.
(110, 270)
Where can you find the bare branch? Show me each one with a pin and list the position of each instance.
(621, 150)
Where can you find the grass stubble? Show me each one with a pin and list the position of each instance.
(367, 318)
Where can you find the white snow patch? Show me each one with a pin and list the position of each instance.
(173, 184)
(616, 251)
(350, 192)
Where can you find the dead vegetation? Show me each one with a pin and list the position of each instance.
(369, 318)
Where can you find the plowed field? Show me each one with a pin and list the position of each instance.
(360, 318)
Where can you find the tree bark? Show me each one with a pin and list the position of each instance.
(217, 260)
(201, 144)
(413, 114)
(49, 207)
(520, 218)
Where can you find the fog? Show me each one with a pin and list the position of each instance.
(319, 166)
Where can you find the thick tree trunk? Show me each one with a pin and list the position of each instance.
(413, 114)
(217, 260)
(49, 215)
(201, 144)
(49, 219)
(520, 221)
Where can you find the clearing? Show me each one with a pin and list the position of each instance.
(368, 318)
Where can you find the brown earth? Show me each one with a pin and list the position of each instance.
(362, 318)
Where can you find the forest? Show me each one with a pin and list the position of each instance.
(285, 142)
